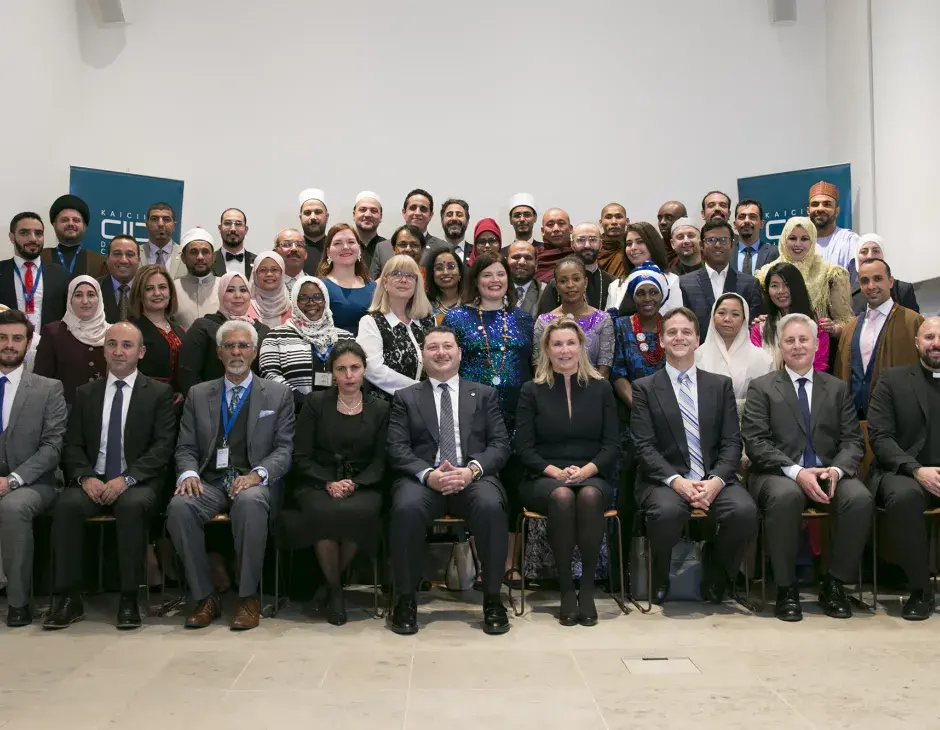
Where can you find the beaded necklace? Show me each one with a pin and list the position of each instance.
(497, 379)
(655, 356)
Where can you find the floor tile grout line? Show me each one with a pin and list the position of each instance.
(588, 688)
(411, 671)
(775, 693)
(244, 669)
(326, 671)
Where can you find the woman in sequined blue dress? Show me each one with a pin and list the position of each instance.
(495, 337)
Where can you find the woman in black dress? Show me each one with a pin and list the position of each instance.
(339, 461)
(566, 437)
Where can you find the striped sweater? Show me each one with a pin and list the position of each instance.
(288, 359)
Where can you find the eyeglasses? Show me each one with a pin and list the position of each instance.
(232, 224)
(714, 240)
(403, 275)
(439, 268)
(408, 246)
(587, 239)
(290, 244)
(313, 298)
(231, 346)
(487, 241)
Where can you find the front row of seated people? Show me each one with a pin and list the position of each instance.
(446, 444)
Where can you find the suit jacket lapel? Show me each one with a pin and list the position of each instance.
(465, 409)
(731, 281)
(255, 401)
(428, 411)
(22, 394)
(921, 393)
(789, 395)
(662, 386)
(820, 394)
(706, 284)
(215, 409)
(707, 412)
(97, 416)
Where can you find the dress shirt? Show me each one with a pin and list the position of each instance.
(453, 385)
(167, 254)
(793, 471)
(9, 393)
(289, 281)
(234, 266)
(227, 395)
(109, 390)
(524, 287)
(717, 278)
(747, 249)
(877, 322)
(36, 316)
(461, 250)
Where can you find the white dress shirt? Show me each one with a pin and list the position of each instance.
(873, 324)
(167, 254)
(453, 385)
(9, 393)
(793, 471)
(36, 316)
(234, 266)
(109, 390)
(377, 372)
(717, 278)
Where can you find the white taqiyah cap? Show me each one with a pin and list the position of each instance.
(682, 223)
(522, 199)
(197, 234)
(367, 194)
(312, 194)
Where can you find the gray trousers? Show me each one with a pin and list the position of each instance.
(249, 513)
(782, 501)
(18, 509)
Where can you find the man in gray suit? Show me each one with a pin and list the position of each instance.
(802, 435)
(33, 419)
(233, 452)
(521, 256)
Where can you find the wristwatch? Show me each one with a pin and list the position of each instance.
(13, 483)
(475, 470)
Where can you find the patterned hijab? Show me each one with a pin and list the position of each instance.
(89, 332)
(271, 306)
(814, 269)
(322, 333)
(251, 315)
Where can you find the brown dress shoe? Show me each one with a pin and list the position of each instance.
(247, 614)
(206, 610)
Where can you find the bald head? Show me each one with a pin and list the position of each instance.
(669, 213)
(556, 228)
(123, 347)
(613, 222)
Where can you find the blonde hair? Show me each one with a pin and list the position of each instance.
(418, 307)
(543, 364)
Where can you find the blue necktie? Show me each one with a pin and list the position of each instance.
(229, 478)
(3, 387)
(809, 454)
(112, 456)
(690, 421)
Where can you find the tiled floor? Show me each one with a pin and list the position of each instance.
(296, 671)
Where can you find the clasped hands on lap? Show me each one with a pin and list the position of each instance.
(929, 478)
(448, 479)
(571, 474)
(192, 486)
(700, 493)
(104, 493)
(808, 479)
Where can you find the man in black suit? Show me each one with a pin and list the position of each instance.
(701, 288)
(69, 215)
(314, 219)
(446, 444)
(585, 244)
(905, 477)
(687, 441)
(121, 434)
(750, 254)
(123, 262)
(233, 256)
(802, 436)
(26, 283)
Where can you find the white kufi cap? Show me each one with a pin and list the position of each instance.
(522, 199)
(367, 194)
(312, 194)
(197, 234)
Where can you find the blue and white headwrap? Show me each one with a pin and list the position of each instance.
(647, 273)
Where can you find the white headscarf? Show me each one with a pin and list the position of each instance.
(742, 362)
(91, 331)
(322, 333)
(868, 238)
(271, 306)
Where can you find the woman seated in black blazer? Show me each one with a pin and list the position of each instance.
(339, 461)
(566, 437)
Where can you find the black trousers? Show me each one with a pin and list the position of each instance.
(733, 516)
(782, 501)
(414, 507)
(905, 502)
(131, 510)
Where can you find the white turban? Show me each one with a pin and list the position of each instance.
(197, 234)
(681, 222)
(363, 195)
(312, 194)
(522, 199)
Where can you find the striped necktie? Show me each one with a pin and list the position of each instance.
(690, 421)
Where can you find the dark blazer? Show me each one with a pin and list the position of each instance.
(218, 265)
(766, 253)
(149, 432)
(697, 295)
(413, 430)
(199, 360)
(89, 262)
(110, 301)
(156, 361)
(897, 430)
(546, 435)
(659, 435)
(55, 286)
(902, 292)
(773, 430)
(530, 302)
(61, 357)
(596, 292)
(314, 254)
(316, 454)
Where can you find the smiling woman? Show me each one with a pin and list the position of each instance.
(153, 309)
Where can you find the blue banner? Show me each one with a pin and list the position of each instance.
(118, 202)
(786, 194)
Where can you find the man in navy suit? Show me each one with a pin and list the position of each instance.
(750, 254)
(701, 288)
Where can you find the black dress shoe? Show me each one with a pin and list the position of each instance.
(22, 616)
(68, 610)
(714, 580)
(919, 606)
(404, 619)
(336, 607)
(568, 611)
(660, 591)
(128, 615)
(833, 600)
(788, 604)
(495, 616)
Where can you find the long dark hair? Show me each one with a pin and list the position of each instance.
(434, 291)
(650, 235)
(800, 302)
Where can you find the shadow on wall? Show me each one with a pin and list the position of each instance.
(99, 44)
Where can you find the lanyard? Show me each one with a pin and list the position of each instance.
(28, 296)
(325, 356)
(70, 267)
(228, 421)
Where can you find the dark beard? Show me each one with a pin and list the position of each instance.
(930, 364)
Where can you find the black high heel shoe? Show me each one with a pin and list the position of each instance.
(336, 607)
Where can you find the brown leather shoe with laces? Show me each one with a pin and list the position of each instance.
(206, 610)
(247, 614)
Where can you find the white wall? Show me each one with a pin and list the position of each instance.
(577, 103)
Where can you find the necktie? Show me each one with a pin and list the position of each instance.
(867, 343)
(28, 288)
(161, 257)
(236, 396)
(447, 441)
(809, 454)
(520, 294)
(690, 421)
(239, 257)
(112, 456)
(748, 266)
(3, 387)
(122, 302)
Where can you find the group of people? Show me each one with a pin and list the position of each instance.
(365, 385)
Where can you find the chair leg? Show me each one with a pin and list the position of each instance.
(874, 559)
(277, 582)
(520, 531)
(763, 571)
(101, 558)
(377, 611)
(621, 601)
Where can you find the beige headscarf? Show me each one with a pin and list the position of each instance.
(89, 332)
(868, 238)
(271, 306)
